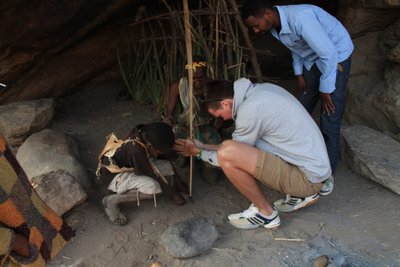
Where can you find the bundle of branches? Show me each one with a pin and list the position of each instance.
(156, 55)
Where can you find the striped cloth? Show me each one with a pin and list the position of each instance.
(23, 212)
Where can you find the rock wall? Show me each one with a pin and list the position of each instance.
(362, 16)
(47, 47)
(373, 98)
(374, 87)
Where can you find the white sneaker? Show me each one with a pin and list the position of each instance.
(292, 203)
(252, 219)
(327, 188)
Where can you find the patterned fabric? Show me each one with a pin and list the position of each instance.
(23, 212)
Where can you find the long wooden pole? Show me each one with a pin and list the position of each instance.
(188, 40)
(245, 32)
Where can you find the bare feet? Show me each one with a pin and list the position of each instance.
(112, 211)
(177, 198)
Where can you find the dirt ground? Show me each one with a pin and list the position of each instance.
(357, 225)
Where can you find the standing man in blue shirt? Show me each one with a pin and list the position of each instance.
(321, 50)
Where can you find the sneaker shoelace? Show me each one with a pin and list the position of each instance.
(251, 211)
(291, 200)
(328, 183)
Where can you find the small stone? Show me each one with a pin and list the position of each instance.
(373, 155)
(189, 238)
(321, 261)
(59, 190)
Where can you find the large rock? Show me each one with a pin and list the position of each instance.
(48, 47)
(59, 190)
(373, 155)
(390, 42)
(48, 151)
(189, 238)
(374, 87)
(18, 120)
(381, 3)
(362, 16)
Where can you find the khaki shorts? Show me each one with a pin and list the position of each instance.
(284, 177)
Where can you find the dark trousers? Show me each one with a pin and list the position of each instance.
(329, 124)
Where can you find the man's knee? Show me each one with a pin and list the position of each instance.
(226, 151)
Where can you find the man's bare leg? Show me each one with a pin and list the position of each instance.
(238, 161)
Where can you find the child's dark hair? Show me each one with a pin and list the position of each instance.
(159, 134)
(255, 8)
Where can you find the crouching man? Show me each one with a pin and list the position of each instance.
(275, 142)
(135, 171)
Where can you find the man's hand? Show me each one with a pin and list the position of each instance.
(301, 85)
(186, 147)
(327, 105)
(21, 245)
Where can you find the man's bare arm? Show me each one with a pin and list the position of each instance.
(207, 152)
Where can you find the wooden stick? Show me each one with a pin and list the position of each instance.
(289, 239)
(245, 33)
(321, 225)
(188, 40)
(216, 40)
(176, 13)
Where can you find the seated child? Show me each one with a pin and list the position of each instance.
(135, 171)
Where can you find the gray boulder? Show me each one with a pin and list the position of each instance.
(189, 238)
(59, 190)
(50, 150)
(18, 120)
(373, 155)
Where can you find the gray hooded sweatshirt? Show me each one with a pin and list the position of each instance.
(271, 119)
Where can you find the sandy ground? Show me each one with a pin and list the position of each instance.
(357, 225)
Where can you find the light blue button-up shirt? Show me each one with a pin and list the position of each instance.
(314, 36)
